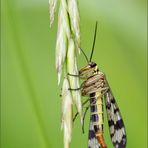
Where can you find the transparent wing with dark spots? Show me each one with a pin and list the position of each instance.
(92, 141)
(115, 121)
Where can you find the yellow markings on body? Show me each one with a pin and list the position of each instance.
(100, 109)
(95, 123)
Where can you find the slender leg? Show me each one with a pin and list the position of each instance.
(83, 105)
(85, 102)
(75, 89)
(84, 118)
(75, 116)
(84, 112)
(73, 75)
(77, 112)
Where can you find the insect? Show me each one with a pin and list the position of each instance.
(96, 87)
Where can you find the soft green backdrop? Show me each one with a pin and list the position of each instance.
(30, 103)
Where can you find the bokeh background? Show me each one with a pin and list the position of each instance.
(30, 103)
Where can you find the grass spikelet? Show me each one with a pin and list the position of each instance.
(63, 34)
(52, 5)
(75, 20)
(67, 43)
(66, 124)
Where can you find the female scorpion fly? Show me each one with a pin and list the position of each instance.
(96, 87)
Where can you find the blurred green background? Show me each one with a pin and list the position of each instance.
(30, 103)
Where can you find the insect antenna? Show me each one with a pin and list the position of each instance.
(93, 42)
(84, 55)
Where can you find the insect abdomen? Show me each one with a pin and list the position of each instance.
(96, 110)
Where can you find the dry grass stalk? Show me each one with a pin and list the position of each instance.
(67, 44)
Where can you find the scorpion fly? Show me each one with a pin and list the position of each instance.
(96, 87)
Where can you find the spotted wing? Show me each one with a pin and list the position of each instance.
(115, 121)
(92, 141)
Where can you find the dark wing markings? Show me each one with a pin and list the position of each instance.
(116, 124)
(92, 141)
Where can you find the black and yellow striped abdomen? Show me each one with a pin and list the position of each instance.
(96, 111)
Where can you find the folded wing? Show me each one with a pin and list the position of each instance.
(115, 121)
(92, 141)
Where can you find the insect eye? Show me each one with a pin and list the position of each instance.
(92, 64)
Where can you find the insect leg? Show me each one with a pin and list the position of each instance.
(77, 112)
(81, 76)
(85, 113)
(84, 117)
(73, 75)
(75, 89)
(75, 116)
